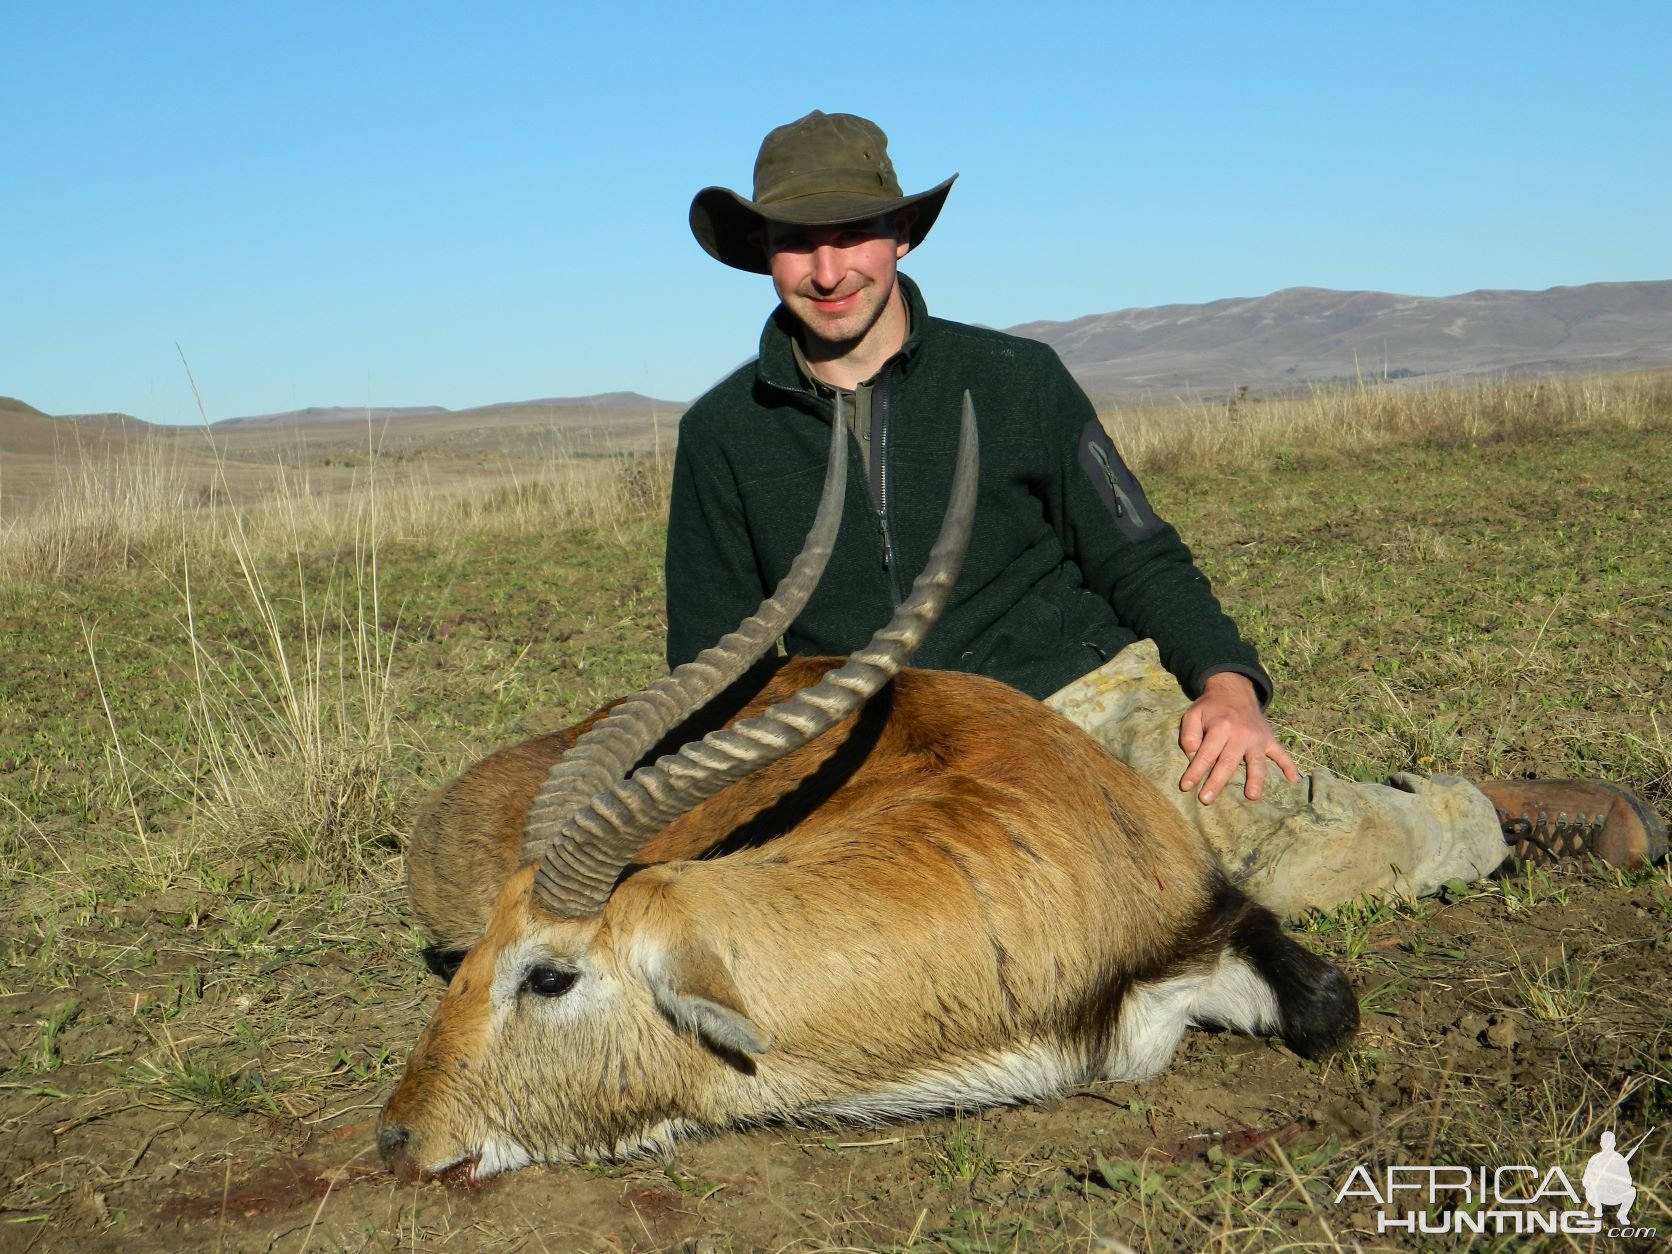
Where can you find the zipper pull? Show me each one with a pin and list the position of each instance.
(1123, 503)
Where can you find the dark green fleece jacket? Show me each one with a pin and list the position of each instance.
(1067, 565)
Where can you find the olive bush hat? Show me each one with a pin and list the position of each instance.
(821, 170)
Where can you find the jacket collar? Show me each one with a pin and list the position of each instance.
(775, 367)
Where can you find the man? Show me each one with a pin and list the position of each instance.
(1069, 568)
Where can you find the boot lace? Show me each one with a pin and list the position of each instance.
(1544, 836)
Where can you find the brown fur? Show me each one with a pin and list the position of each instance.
(467, 835)
(951, 878)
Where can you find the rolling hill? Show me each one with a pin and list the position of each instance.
(1308, 334)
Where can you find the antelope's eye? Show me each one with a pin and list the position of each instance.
(546, 980)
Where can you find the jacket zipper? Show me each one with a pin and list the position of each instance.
(879, 475)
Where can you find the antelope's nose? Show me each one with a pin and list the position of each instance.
(392, 1139)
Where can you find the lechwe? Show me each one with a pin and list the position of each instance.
(945, 897)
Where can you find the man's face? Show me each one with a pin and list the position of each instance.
(836, 279)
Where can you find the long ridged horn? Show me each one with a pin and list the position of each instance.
(579, 868)
(609, 748)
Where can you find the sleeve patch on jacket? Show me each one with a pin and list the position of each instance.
(1119, 489)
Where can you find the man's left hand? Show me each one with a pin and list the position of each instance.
(1225, 728)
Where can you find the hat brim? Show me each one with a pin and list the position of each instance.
(728, 226)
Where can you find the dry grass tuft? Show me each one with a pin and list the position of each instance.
(291, 724)
(107, 514)
(1340, 421)
(147, 507)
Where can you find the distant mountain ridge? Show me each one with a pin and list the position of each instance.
(1287, 339)
(1304, 334)
(604, 403)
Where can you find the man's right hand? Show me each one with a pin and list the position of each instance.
(1225, 728)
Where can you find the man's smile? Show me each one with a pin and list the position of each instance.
(835, 304)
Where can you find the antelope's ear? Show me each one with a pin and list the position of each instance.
(442, 961)
(693, 988)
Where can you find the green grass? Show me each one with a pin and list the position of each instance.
(962, 1153)
(46, 1056)
(1535, 643)
(1553, 991)
(195, 1082)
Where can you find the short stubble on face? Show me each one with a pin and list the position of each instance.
(837, 280)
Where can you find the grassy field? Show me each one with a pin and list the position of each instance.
(217, 715)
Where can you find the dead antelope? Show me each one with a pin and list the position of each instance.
(837, 907)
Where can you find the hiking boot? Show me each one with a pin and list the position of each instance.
(1544, 820)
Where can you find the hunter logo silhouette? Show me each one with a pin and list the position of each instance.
(1607, 1178)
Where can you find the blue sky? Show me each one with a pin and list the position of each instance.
(416, 204)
